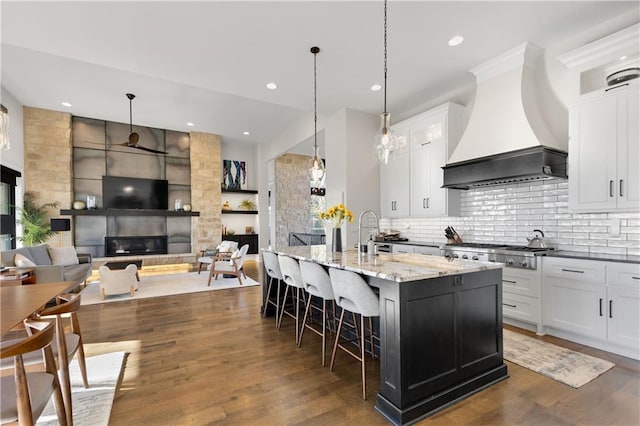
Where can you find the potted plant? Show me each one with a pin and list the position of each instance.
(247, 204)
(36, 227)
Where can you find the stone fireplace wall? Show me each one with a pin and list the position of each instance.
(49, 166)
(48, 162)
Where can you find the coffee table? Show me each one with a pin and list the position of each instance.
(123, 264)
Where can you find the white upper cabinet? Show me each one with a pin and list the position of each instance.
(603, 153)
(431, 137)
(394, 181)
(604, 141)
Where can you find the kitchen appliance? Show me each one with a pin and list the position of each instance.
(521, 257)
(537, 241)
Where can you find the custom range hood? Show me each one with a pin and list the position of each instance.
(506, 140)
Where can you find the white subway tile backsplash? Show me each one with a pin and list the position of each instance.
(508, 214)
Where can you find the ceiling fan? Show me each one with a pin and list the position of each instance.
(133, 136)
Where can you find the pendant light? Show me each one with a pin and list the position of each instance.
(316, 165)
(386, 142)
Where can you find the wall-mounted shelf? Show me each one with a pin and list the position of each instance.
(240, 191)
(239, 211)
(127, 212)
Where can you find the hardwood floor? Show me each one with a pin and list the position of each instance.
(210, 358)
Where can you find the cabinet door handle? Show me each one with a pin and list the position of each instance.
(509, 281)
(425, 143)
(610, 188)
(621, 194)
(600, 307)
(427, 202)
(424, 203)
(610, 308)
(573, 270)
(511, 306)
(616, 87)
(635, 278)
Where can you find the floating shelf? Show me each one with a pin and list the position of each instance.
(239, 211)
(240, 191)
(127, 212)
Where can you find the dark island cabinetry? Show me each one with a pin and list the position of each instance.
(441, 340)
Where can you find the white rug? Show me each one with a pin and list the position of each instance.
(92, 406)
(564, 365)
(166, 285)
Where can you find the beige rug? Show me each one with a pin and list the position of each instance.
(564, 365)
(166, 285)
(91, 406)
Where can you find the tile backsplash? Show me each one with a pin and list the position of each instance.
(509, 213)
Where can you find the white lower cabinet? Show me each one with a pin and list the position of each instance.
(595, 300)
(521, 292)
(408, 248)
(623, 305)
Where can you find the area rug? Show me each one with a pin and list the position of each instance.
(564, 365)
(166, 285)
(91, 406)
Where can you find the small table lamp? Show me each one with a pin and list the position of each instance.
(59, 225)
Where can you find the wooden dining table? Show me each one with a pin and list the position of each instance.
(18, 302)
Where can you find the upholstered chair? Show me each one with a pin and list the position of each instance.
(118, 281)
(272, 267)
(207, 257)
(230, 266)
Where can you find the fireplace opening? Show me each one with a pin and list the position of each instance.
(132, 246)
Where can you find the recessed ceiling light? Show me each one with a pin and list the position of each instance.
(272, 86)
(67, 104)
(622, 58)
(190, 124)
(376, 87)
(246, 133)
(456, 40)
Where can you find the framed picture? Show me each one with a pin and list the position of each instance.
(248, 230)
(234, 174)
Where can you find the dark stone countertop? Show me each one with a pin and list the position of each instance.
(593, 256)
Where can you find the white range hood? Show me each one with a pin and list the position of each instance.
(505, 123)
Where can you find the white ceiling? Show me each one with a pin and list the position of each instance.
(208, 62)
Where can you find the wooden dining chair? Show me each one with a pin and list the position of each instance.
(26, 394)
(67, 343)
(233, 265)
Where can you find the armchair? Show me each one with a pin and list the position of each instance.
(231, 266)
(118, 281)
(208, 256)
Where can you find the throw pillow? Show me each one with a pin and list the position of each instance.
(63, 256)
(22, 261)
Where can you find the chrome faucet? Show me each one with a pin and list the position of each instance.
(367, 226)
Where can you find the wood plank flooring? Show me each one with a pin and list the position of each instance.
(210, 358)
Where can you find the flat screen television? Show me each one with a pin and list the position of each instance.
(135, 193)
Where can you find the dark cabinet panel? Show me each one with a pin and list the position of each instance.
(242, 239)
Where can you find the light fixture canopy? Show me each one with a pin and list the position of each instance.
(316, 165)
(387, 144)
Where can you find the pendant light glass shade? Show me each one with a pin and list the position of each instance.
(316, 165)
(386, 141)
(316, 168)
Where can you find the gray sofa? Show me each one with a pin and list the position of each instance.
(45, 270)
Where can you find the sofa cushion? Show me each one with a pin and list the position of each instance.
(63, 256)
(9, 256)
(40, 254)
(22, 261)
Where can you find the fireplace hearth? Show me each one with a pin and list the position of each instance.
(135, 246)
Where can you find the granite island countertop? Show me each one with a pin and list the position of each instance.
(394, 267)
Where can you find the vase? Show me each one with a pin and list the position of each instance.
(336, 241)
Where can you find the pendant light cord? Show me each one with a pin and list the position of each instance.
(130, 116)
(315, 51)
(385, 56)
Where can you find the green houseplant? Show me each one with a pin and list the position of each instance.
(36, 228)
(247, 204)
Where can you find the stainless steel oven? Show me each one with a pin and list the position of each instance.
(521, 257)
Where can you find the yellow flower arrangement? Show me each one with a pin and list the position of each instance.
(336, 215)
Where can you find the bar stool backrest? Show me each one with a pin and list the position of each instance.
(353, 293)
(271, 265)
(316, 280)
(290, 271)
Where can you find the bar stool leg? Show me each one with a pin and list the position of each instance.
(284, 302)
(298, 314)
(304, 321)
(362, 358)
(266, 303)
(373, 348)
(324, 329)
(335, 344)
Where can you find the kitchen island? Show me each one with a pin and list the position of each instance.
(440, 326)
